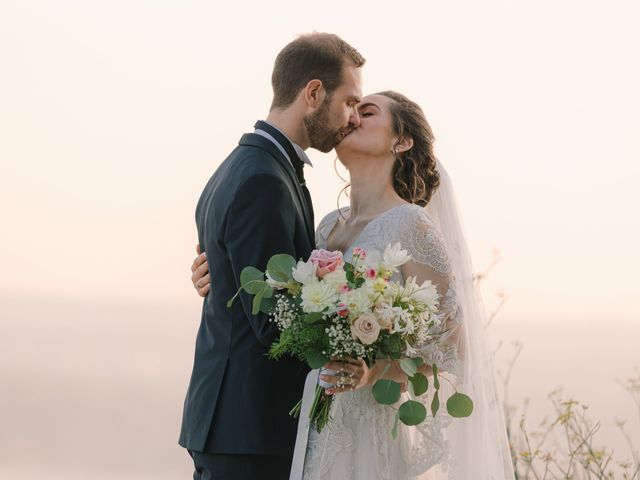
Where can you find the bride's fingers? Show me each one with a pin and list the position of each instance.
(199, 274)
(199, 260)
(202, 282)
(202, 291)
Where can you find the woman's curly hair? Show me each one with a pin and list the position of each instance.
(415, 177)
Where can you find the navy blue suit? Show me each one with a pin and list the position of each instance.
(236, 407)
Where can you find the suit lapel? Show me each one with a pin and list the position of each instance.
(255, 140)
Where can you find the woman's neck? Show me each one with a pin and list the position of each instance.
(372, 192)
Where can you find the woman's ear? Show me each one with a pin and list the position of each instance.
(314, 93)
(403, 144)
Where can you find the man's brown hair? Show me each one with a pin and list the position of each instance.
(312, 56)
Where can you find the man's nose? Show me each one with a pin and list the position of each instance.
(354, 119)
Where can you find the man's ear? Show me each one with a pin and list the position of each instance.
(314, 93)
(403, 144)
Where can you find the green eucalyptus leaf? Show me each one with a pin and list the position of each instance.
(412, 412)
(435, 404)
(459, 405)
(408, 366)
(268, 305)
(280, 266)
(266, 292)
(394, 430)
(386, 392)
(436, 379)
(419, 383)
(317, 359)
(252, 280)
(313, 317)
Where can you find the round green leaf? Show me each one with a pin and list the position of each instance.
(252, 280)
(459, 405)
(408, 366)
(317, 359)
(280, 266)
(412, 412)
(268, 305)
(386, 392)
(419, 383)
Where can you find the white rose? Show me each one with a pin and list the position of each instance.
(394, 256)
(366, 328)
(317, 296)
(304, 272)
(336, 279)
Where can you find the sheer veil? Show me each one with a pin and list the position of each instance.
(478, 446)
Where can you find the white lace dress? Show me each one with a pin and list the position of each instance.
(358, 445)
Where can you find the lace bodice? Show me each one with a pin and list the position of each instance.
(358, 444)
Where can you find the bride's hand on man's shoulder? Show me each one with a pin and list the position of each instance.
(200, 273)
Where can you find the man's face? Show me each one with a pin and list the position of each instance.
(338, 115)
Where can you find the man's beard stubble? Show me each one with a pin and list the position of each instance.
(321, 137)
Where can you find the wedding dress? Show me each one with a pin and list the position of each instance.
(357, 444)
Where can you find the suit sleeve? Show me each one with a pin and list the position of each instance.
(260, 224)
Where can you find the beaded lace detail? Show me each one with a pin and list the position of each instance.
(358, 445)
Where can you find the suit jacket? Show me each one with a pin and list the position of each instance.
(238, 400)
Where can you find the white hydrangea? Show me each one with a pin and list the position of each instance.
(305, 272)
(317, 296)
(358, 300)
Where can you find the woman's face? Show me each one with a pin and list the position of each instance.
(374, 137)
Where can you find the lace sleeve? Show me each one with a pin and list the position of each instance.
(430, 261)
(324, 228)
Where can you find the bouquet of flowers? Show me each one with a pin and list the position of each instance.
(326, 308)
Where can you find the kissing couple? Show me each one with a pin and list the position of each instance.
(236, 423)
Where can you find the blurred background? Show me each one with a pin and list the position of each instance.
(113, 115)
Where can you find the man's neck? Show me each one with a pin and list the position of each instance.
(291, 124)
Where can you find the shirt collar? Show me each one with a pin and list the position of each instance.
(301, 153)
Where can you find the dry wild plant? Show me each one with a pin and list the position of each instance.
(565, 446)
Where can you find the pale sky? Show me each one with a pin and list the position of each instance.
(113, 115)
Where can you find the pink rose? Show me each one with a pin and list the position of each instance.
(342, 310)
(366, 328)
(326, 261)
(359, 252)
(344, 288)
(371, 273)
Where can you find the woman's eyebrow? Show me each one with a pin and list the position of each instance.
(368, 104)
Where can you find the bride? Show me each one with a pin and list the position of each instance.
(400, 193)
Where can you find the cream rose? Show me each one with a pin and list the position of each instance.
(384, 314)
(366, 328)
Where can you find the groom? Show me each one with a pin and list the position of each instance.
(235, 423)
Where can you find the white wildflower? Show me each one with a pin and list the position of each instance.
(394, 256)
